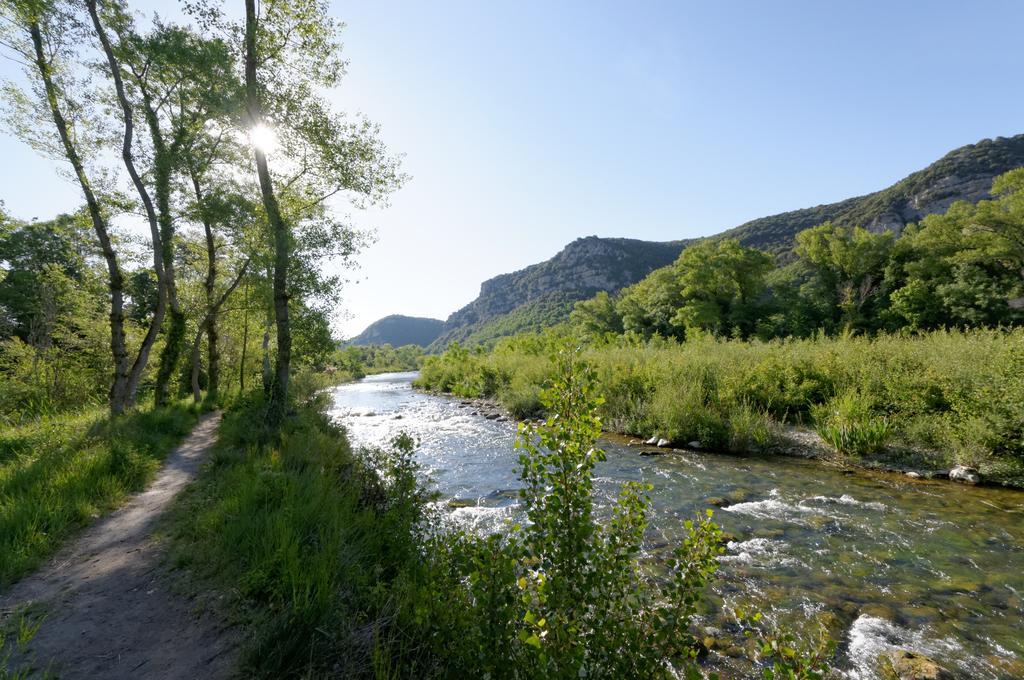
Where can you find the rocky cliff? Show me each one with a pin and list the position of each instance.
(548, 289)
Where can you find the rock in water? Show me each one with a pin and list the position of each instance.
(967, 475)
(662, 443)
(652, 441)
(695, 445)
(904, 665)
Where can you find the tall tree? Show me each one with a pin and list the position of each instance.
(47, 36)
(291, 54)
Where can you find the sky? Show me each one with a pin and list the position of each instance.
(525, 125)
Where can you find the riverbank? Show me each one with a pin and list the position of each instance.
(790, 441)
(885, 561)
(923, 404)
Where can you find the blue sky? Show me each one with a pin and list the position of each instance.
(526, 125)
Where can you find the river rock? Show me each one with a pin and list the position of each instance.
(904, 665)
(694, 445)
(663, 443)
(967, 475)
(653, 441)
(912, 474)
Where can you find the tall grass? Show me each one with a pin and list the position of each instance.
(60, 472)
(960, 394)
(307, 534)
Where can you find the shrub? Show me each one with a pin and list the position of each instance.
(564, 596)
(750, 429)
(847, 424)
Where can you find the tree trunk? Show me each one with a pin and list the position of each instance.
(131, 385)
(245, 340)
(282, 237)
(163, 164)
(207, 321)
(268, 376)
(213, 351)
(115, 280)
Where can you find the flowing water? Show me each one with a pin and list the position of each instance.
(884, 561)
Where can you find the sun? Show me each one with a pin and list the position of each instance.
(263, 138)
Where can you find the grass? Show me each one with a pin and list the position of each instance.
(60, 472)
(306, 535)
(954, 394)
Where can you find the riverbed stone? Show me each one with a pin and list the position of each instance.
(913, 474)
(652, 441)
(904, 665)
(663, 443)
(738, 495)
(877, 610)
(768, 532)
(694, 445)
(964, 474)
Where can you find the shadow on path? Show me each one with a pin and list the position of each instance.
(110, 608)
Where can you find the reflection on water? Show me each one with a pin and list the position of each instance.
(898, 564)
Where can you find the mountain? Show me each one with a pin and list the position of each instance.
(543, 294)
(964, 174)
(397, 330)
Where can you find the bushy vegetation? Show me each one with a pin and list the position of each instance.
(58, 473)
(961, 269)
(340, 566)
(363, 360)
(956, 393)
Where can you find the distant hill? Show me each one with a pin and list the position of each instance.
(397, 330)
(543, 294)
(964, 174)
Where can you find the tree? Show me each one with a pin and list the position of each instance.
(964, 267)
(46, 36)
(720, 284)
(849, 264)
(291, 52)
(597, 315)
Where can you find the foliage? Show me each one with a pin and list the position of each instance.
(959, 269)
(309, 535)
(848, 425)
(57, 473)
(340, 566)
(565, 594)
(951, 392)
(363, 360)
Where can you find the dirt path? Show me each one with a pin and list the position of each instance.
(110, 609)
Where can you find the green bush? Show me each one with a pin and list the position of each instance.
(848, 425)
(565, 595)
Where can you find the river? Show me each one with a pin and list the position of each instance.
(888, 562)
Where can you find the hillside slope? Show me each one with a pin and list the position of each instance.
(544, 293)
(397, 330)
(964, 174)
